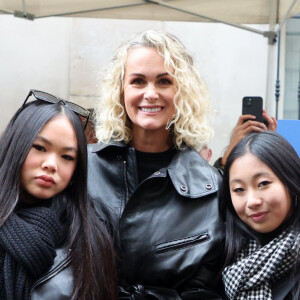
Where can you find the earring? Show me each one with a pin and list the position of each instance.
(169, 126)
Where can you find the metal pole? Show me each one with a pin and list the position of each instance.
(24, 8)
(271, 35)
(287, 15)
(277, 85)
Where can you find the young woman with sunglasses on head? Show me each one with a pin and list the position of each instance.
(261, 195)
(152, 119)
(52, 243)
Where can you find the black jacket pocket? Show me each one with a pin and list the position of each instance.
(181, 243)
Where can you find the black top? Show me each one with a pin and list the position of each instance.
(149, 162)
(265, 238)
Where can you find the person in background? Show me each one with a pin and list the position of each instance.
(260, 198)
(52, 243)
(152, 116)
(242, 129)
(90, 128)
(206, 152)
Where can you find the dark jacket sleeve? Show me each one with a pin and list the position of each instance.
(217, 164)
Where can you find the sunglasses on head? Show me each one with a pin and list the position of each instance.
(77, 109)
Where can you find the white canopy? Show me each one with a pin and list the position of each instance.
(233, 11)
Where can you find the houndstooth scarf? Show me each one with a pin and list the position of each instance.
(257, 268)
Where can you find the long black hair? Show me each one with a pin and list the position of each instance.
(93, 259)
(279, 155)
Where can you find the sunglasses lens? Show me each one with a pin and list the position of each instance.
(78, 109)
(45, 96)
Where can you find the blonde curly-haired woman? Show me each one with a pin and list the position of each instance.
(152, 119)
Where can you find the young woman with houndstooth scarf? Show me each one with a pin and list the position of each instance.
(260, 199)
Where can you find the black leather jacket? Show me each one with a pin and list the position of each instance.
(171, 235)
(283, 289)
(57, 283)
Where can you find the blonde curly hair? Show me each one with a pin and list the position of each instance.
(192, 102)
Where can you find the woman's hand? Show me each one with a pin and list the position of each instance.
(242, 129)
(272, 122)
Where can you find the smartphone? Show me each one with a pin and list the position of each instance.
(253, 106)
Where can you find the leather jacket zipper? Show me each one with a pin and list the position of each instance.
(124, 200)
(126, 185)
(181, 243)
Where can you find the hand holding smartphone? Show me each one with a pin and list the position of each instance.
(253, 106)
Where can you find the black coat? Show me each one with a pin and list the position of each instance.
(57, 283)
(282, 290)
(171, 235)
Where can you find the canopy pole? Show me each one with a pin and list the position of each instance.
(287, 14)
(277, 85)
(24, 8)
(23, 14)
(271, 35)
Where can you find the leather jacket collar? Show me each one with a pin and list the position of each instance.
(184, 167)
